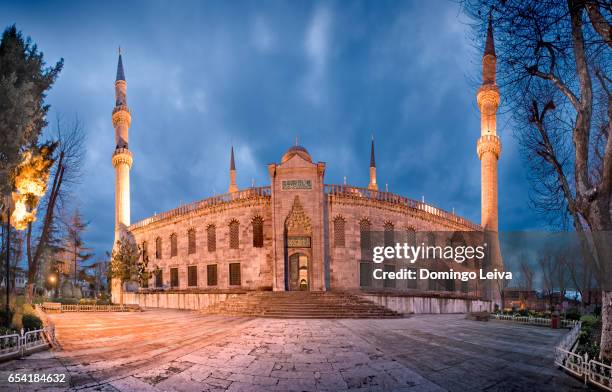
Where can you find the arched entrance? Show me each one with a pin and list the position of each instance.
(298, 272)
(298, 231)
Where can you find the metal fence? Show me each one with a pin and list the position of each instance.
(545, 322)
(589, 370)
(19, 344)
(94, 308)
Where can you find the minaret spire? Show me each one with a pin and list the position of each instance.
(120, 71)
(490, 43)
(122, 162)
(372, 185)
(232, 186)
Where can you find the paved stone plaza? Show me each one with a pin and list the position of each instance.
(166, 350)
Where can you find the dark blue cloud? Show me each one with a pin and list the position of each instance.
(202, 76)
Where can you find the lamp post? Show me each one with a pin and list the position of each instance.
(8, 249)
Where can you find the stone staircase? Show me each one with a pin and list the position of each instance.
(301, 304)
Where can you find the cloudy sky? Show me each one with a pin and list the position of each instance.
(204, 75)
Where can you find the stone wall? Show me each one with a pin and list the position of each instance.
(420, 305)
(344, 261)
(190, 301)
(255, 263)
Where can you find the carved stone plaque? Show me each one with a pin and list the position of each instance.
(298, 242)
(290, 185)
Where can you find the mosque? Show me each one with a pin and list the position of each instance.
(299, 232)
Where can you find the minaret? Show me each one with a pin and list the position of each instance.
(489, 145)
(372, 185)
(122, 162)
(232, 186)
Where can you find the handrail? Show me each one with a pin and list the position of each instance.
(264, 191)
(388, 197)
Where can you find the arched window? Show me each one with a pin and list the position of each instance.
(191, 240)
(389, 234)
(145, 251)
(364, 231)
(158, 248)
(411, 236)
(258, 236)
(234, 234)
(173, 245)
(339, 232)
(211, 238)
(431, 239)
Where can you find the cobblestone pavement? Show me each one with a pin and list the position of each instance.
(167, 350)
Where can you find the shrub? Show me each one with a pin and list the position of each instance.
(27, 309)
(589, 319)
(6, 317)
(87, 301)
(572, 314)
(31, 322)
(523, 312)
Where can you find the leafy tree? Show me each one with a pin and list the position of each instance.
(24, 82)
(74, 244)
(124, 264)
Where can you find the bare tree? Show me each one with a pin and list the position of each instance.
(554, 72)
(66, 172)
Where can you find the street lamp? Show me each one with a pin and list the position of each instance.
(52, 281)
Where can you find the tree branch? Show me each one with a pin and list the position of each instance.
(600, 25)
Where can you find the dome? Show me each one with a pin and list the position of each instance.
(296, 150)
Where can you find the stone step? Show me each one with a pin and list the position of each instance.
(302, 305)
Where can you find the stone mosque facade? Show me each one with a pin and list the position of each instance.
(298, 233)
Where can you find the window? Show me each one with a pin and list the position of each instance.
(431, 239)
(449, 284)
(234, 232)
(159, 281)
(364, 230)
(339, 232)
(234, 274)
(412, 283)
(389, 283)
(191, 241)
(173, 246)
(258, 237)
(465, 286)
(389, 234)
(211, 238)
(174, 278)
(211, 274)
(192, 275)
(365, 274)
(411, 236)
(158, 248)
(145, 251)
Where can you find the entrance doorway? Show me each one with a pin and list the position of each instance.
(298, 272)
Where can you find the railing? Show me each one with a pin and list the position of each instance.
(19, 344)
(97, 308)
(249, 193)
(590, 371)
(351, 191)
(534, 320)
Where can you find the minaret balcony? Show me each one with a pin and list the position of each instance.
(488, 96)
(488, 143)
(121, 116)
(122, 156)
